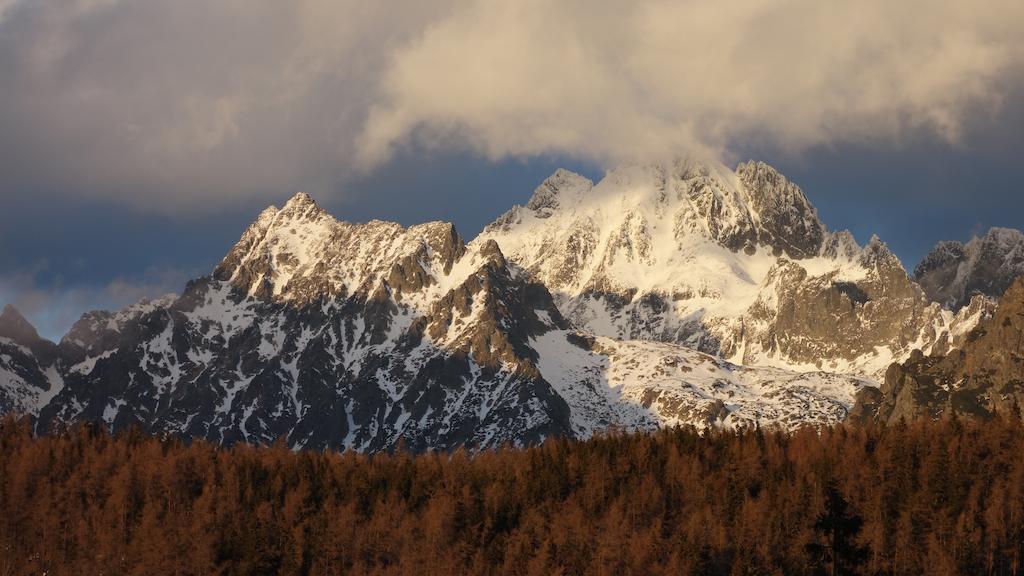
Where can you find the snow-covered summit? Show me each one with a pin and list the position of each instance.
(753, 208)
(694, 232)
(301, 253)
(716, 259)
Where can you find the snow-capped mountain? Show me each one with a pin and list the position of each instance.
(29, 375)
(663, 295)
(953, 273)
(423, 342)
(733, 263)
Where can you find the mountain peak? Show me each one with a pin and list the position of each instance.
(877, 252)
(786, 219)
(953, 273)
(754, 205)
(300, 199)
(302, 206)
(657, 216)
(1004, 237)
(14, 326)
(301, 253)
(545, 199)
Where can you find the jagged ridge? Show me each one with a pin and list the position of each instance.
(733, 263)
(594, 306)
(954, 273)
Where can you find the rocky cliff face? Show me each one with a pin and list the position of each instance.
(855, 319)
(732, 263)
(980, 379)
(954, 273)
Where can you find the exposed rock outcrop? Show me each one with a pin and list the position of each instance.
(954, 273)
(983, 377)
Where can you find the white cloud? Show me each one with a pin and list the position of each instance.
(190, 105)
(621, 79)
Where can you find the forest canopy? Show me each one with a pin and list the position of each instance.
(927, 497)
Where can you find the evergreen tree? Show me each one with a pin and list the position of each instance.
(837, 553)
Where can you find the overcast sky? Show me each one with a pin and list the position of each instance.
(139, 137)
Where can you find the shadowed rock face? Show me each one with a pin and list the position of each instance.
(28, 364)
(954, 273)
(343, 373)
(15, 327)
(983, 377)
(842, 325)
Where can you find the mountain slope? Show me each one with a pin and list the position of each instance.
(645, 384)
(733, 263)
(367, 336)
(984, 377)
(663, 295)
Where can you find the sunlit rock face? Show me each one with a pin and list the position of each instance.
(734, 263)
(980, 379)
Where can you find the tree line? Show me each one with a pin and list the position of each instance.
(921, 498)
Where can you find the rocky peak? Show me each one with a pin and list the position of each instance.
(301, 254)
(786, 219)
(301, 207)
(14, 326)
(945, 253)
(99, 331)
(840, 245)
(741, 210)
(953, 273)
(299, 201)
(545, 199)
(26, 360)
(876, 253)
(442, 241)
(22, 333)
(491, 252)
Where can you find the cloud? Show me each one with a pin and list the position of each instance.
(189, 104)
(622, 79)
(53, 306)
(193, 105)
